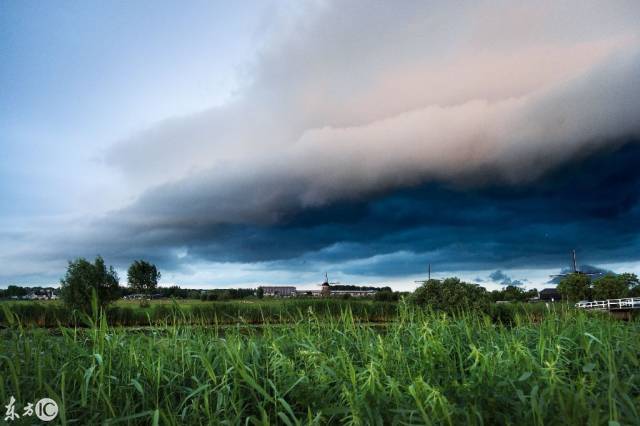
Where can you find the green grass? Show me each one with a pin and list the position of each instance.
(567, 367)
(129, 313)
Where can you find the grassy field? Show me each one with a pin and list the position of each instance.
(247, 311)
(253, 311)
(567, 367)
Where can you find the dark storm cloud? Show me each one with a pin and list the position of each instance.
(591, 204)
(501, 278)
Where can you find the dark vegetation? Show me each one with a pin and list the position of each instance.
(229, 294)
(86, 283)
(513, 293)
(576, 287)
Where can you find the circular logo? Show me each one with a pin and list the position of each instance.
(46, 409)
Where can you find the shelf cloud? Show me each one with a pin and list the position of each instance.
(377, 135)
(357, 99)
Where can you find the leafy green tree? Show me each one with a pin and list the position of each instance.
(260, 293)
(84, 279)
(451, 295)
(614, 286)
(634, 284)
(143, 276)
(575, 287)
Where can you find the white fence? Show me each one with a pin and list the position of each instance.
(611, 304)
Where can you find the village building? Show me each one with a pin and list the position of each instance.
(279, 291)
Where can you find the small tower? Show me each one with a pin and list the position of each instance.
(326, 288)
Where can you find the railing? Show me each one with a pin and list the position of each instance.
(611, 304)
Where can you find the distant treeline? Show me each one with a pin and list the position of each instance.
(18, 291)
(15, 291)
(344, 287)
(175, 292)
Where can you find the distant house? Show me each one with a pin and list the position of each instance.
(41, 294)
(549, 295)
(354, 293)
(279, 291)
(325, 291)
(137, 296)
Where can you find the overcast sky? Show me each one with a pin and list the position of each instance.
(266, 142)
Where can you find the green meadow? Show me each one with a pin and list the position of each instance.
(420, 367)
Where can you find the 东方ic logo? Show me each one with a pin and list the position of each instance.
(46, 409)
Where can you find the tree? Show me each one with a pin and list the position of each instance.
(84, 279)
(575, 287)
(613, 286)
(451, 295)
(260, 293)
(14, 290)
(143, 276)
(634, 284)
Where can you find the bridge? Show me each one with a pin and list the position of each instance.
(626, 304)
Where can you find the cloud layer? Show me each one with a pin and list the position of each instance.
(358, 99)
(384, 134)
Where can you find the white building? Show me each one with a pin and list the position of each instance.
(279, 291)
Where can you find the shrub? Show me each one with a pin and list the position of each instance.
(575, 287)
(386, 296)
(451, 295)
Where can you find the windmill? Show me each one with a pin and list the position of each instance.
(326, 285)
(428, 277)
(575, 268)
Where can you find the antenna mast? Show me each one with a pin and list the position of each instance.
(575, 266)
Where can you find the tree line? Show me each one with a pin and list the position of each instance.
(579, 286)
(453, 295)
(86, 281)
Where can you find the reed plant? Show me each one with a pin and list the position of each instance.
(566, 367)
(53, 314)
